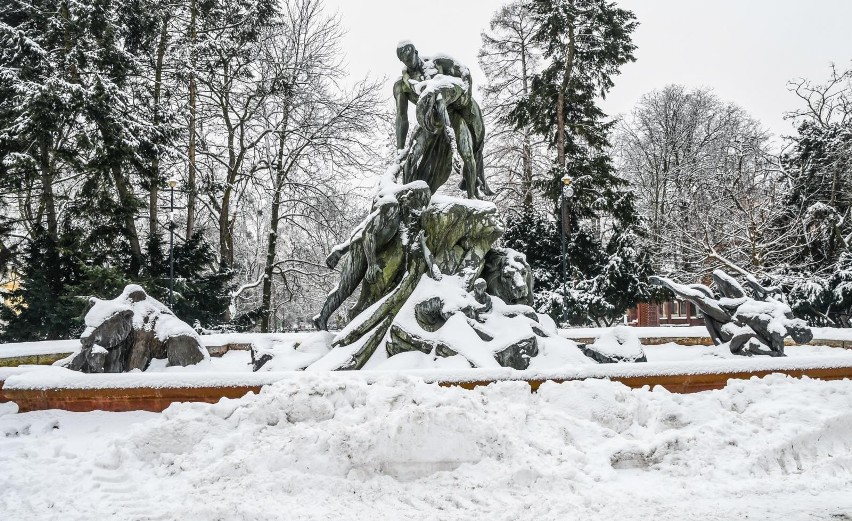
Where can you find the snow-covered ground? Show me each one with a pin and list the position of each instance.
(238, 361)
(233, 369)
(323, 447)
(11, 350)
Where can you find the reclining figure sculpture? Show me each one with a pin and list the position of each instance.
(748, 325)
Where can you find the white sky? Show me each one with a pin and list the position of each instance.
(746, 50)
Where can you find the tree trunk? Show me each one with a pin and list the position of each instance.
(125, 198)
(48, 201)
(280, 177)
(560, 107)
(560, 128)
(226, 251)
(526, 149)
(193, 89)
(266, 306)
(226, 239)
(272, 244)
(153, 195)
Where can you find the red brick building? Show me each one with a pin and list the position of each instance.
(671, 313)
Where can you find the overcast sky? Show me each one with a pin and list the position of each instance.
(746, 50)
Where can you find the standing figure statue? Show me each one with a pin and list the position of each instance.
(441, 89)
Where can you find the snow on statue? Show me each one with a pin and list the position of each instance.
(436, 291)
(748, 326)
(127, 332)
(447, 115)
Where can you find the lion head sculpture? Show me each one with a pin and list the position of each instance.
(508, 276)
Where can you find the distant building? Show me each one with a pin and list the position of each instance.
(670, 313)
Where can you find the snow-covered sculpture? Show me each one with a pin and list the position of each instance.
(508, 276)
(754, 325)
(129, 331)
(448, 238)
(448, 117)
(433, 284)
(374, 250)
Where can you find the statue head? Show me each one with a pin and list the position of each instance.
(407, 54)
(509, 276)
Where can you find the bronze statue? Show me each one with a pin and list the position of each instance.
(509, 276)
(368, 241)
(748, 326)
(418, 258)
(441, 89)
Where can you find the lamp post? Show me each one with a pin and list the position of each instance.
(567, 194)
(172, 184)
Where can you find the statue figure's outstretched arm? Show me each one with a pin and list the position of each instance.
(706, 304)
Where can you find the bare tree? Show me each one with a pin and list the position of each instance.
(706, 180)
(510, 59)
(315, 133)
(234, 91)
(825, 103)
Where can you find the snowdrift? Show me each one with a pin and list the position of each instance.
(320, 447)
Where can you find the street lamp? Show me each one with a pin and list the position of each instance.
(567, 194)
(172, 184)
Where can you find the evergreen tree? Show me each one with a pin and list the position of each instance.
(818, 273)
(32, 314)
(600, 289)
(537, 235)
(201, 290)
(74, 143)
(57, 281)
(819, 166)
(585, 43)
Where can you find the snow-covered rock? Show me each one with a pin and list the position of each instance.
(618, 344)
(127, 332)
(291, 356)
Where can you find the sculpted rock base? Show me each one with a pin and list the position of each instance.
(442, 306)
(126, 333)
(442, 318)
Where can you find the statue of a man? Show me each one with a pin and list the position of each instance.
(360, 253)
(441, 88)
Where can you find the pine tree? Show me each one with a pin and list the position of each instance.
(819, 165)
(74, 143)
(585, 43)
(600, 289)
(201, 290)
(57, 280)
(819, 274)
(816, 272)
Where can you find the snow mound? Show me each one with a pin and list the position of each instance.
(617, 344)
(291, 356)
(325, 447)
